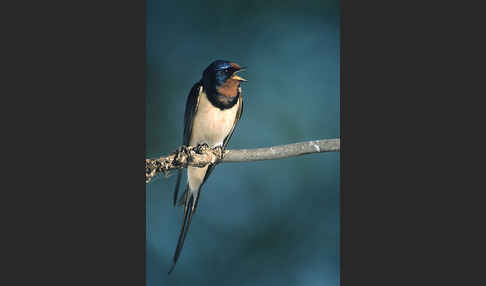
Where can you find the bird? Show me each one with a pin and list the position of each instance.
(213, 108)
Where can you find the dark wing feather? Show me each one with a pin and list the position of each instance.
(228, 137)
(191, 108)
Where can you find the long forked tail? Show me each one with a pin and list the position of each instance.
(191, 200)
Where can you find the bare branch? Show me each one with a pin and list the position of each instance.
(282, 151)
(202, 155)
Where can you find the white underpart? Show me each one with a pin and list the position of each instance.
(211, 125)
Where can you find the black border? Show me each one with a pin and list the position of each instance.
(405, 86)
(80, 199)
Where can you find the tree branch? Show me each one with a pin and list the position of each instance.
(202, 155)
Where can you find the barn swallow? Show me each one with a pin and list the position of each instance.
(213, 107)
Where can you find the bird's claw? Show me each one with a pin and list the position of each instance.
(181, 154)
(220, 152)
(200, 148)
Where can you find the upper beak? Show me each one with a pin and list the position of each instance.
(239, 77)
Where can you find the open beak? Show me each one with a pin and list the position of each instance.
(239, 78)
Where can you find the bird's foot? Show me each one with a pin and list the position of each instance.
(220, 152)
(200, 148)
(181, 156)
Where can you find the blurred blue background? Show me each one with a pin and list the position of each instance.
(259, 223)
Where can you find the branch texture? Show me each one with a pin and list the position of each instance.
(202, 155)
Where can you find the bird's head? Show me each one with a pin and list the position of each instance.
(221, 76)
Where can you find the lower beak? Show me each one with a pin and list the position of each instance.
(239, 78)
